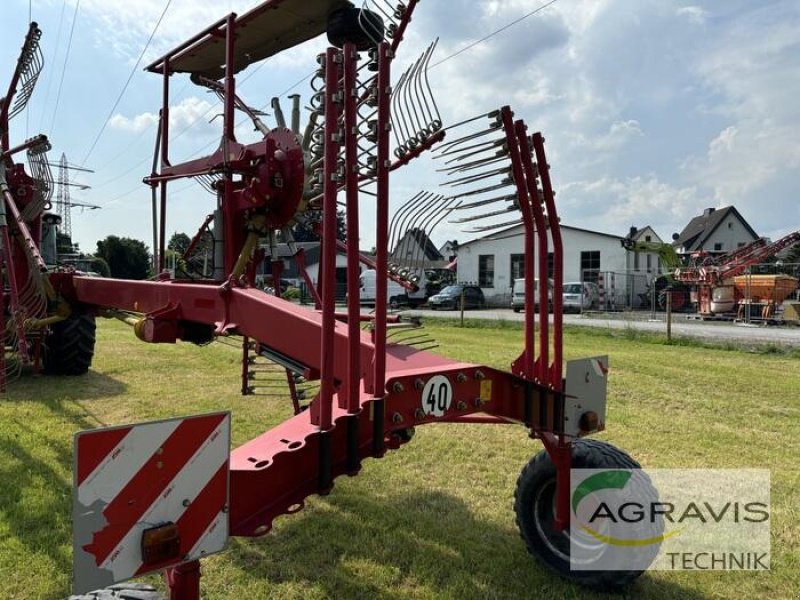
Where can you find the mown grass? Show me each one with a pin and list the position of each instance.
(433, 520)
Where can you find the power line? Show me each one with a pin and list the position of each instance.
(494, 33)
(304, 78)
(64, 68)
(55, 53)
(125, 87)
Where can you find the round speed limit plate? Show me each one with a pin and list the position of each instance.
(437, 395)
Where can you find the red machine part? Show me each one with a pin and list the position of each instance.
(373, 392)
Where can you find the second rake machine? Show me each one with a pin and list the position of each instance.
(377, 379)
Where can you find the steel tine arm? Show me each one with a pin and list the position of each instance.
(497, 186)
(485, 145)
(491, 114)
(478, 176)
(485, 215)
(404, 208)
(477, 203)
(422, 197)
(454, 143)
(488, 160)
(436, 123)
(495, 226)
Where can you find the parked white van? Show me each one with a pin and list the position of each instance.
(518, 295)
(396, 294)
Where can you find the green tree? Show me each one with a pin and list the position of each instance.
(127, 258)
(100, 266)
(179, 242)
(63, 244)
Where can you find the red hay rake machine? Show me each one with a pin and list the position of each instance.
(376, 380)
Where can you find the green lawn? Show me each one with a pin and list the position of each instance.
(432, 520)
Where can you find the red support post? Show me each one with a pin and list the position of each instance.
(378, 391)
(558, 260)
(529, 353)
(542, 367)
(350, 400)
(184, 581)
(323, 414)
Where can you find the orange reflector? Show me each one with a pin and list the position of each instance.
(588, 421)
(160, 543)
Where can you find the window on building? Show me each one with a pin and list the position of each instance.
(658, 264)
(517, 267)
(718, 247)
(647, 238)
(550, 268)
(636, 260)
(486, 270)
(590, 265)
(740, 245)
(730, 225)
(649, 262)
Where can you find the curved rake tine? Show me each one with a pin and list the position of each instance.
(436, 123)
(28, 68)
(396, 116)
(404, 208)
(402, 225)
(491, 129)
(420, 129)
(494, 226)
(399, 219)
(462, 154)
(427, 227)
(444, 214)
(415, 219)
(488, 160)
(419, 92)
(490, 114)
(408, 126)
(497, 186)
(477, 203)
(458, 151)
(413, 224)
(494, 213)
(478, 176)
(368, 27)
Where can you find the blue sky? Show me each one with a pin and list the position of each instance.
(652, 110)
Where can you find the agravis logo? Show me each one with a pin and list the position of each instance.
(630, 512)
(687, 519)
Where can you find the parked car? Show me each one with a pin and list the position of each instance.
(397, 295)
(518, 295)
(450, 297)
(581, 295)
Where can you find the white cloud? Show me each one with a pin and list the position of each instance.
(696, 14)
(612, 205)
(191, 111)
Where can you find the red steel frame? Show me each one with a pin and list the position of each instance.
(370, 393)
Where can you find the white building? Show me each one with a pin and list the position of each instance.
(494, 261)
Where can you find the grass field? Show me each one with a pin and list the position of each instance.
(432, 520)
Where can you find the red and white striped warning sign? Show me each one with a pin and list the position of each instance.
(128, 480)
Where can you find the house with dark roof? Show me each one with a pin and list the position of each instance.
(416, 249)
(716, 231)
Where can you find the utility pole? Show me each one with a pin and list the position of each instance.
(64, 204)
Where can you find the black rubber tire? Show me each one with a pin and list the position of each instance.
(70, 346)
(516, 309)
(345, 25)
(533, 504)
(123, 591)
